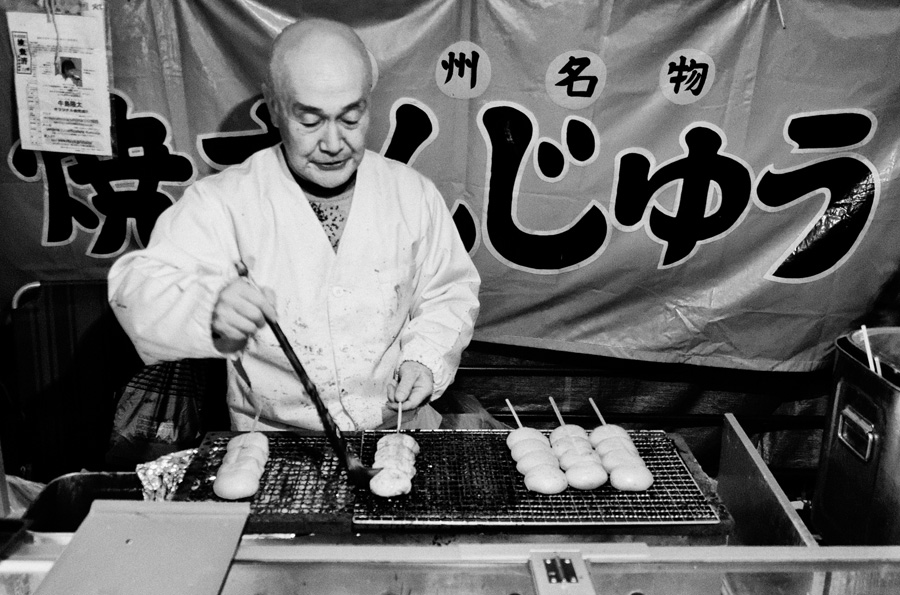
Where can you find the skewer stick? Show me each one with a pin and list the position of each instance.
(865, 334)
(556, 410)
(399, 416)
(239, 368)
(597, 411)
(255, 420)
(513, 411)
(878, 365)
(780, 14)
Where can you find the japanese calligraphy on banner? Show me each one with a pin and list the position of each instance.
(679, 181)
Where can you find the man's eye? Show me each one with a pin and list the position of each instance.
(305, 118)
(352, 118)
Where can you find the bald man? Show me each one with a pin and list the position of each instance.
(355, 255)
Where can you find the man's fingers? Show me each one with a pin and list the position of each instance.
(234, 327)
(391, 392)
(241, 310)
(404, 388)
(268, 307)
(250, 301)
(415, 386)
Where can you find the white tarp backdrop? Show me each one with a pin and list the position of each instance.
(676, 181)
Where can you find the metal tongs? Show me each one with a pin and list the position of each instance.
(358, 473)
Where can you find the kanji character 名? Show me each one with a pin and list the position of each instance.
(575, 79)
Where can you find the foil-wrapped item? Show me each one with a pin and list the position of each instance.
(160, 477)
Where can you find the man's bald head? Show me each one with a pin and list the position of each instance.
(317, 90)
(313, 46)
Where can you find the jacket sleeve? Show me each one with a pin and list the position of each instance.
(445, 303)
(163, 295)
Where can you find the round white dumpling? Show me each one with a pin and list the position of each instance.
(615, 443)
(564, 445)
(574, 457)
(605, 431)
(631, 478)
(534, 459)
(520, 434)
(236, 481)
(586, 476)
(567, 431)
(546, 479)
(242, 466)
(395, 451)
(399, 464)
(398, 439)
(390, 482)
(523, 447)
(250, 439)
(619, 457)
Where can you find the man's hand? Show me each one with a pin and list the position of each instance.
(239, 312)
(415, 387)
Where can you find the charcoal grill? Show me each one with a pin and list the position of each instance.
(465, 479)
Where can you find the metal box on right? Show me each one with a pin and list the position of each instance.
(857, 495)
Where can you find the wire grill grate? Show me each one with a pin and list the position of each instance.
(469, 478)
(465, 478)
(302, 476)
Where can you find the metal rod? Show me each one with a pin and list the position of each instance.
(4, 493)
(332, 432)
(331, 429)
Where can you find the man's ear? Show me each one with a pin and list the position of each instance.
(269, 98)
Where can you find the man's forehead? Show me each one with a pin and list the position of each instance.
(324, 110)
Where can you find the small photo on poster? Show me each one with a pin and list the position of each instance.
(68, 71)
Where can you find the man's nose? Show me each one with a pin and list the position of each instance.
(330, 142)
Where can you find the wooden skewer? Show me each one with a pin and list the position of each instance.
(780, 14)
(399, 416)
(878, 365)
(513, 411)
(597, 411)
(239, 368)
(556, 410)
(865, 334)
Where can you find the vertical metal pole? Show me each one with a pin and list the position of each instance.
(4, 493)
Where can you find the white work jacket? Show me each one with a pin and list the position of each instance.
(400, 287)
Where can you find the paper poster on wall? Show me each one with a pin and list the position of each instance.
(62, 82)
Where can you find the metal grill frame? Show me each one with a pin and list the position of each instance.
(507, 503)
(305, 485)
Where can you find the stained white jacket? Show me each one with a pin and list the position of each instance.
(400, 287)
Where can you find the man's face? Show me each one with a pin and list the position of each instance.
(322, 112)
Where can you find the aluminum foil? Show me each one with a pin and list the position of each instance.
(160, 478)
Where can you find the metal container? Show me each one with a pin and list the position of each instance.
(64, 503)
(857, 495)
